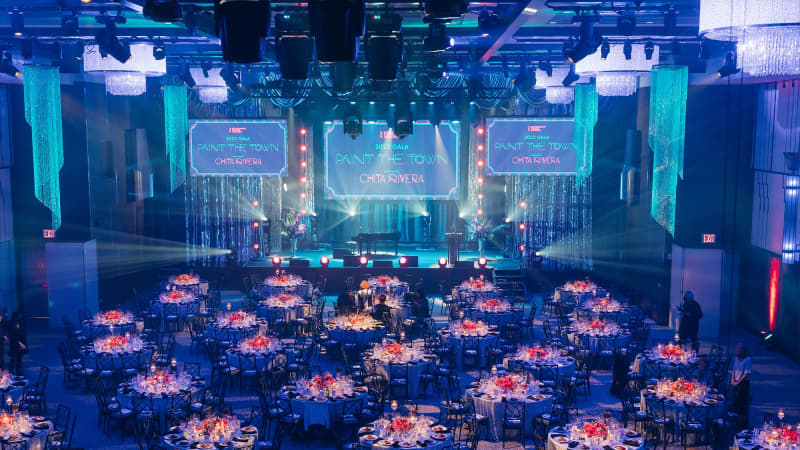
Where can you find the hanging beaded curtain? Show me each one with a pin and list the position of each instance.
(220, 210)
(176, 126)
(557, 212)
(43, 113)
(585, 119)
(389, 216)
(666, 138)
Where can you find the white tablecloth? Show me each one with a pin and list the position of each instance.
(278, 313)
(664, 368)
(322, 413)
(37, 439)
(565, 365)
(232, 334)
(558, 439)
(302, 289)
(362, 338)
(415, 371)
(241, 441)
(494, 409)
(146, 354)
(93, 331)
(677, 409)
(262, 360)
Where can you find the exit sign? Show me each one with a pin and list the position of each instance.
(710, 238)
(48, 233)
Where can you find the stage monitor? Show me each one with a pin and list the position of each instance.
(238, 147)
(530, 146)
(378, 165)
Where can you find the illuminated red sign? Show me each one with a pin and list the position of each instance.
(48, 233)
(774, 282)
(710, 238)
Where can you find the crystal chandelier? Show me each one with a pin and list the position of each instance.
(211, 88)
(559, 95)
(616, 84)
(767, 33)
(129, 78)
(126, 83)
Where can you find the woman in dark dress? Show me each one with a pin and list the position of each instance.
(17, 345)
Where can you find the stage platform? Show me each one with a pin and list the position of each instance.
(428, 271)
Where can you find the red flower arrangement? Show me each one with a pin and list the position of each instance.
(597, 324)
(400, 425)
(260, 342)
(6, 420)
(161, 377)
(595, 429)
(492, 303)
(601, 303)
(283, 278)
(505, 383)
(393, 349)
(184, 277)
(671, 351)
(477, 284)
(112, 315)
(537, 352)
(789, 434)
(236, 317)
(116, 341)
(469, 325)
(681, 385)
(383, 279)
(284, 298)
(321, 382)
(175, 294)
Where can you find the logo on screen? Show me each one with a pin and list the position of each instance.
(388, 134)
(236, 130)
(536, 128)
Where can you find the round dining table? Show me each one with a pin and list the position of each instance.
(322, 411)
(436, 436)
(457, 341)
(676, 408)
(36, 438)
(12, 386)
(493, 406)
(565, 438)
(244, 438)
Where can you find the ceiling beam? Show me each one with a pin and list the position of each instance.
(531, 13)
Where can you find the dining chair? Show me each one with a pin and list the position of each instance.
(398, 380)
(695, 423)
(63, 413)
(513, 419)
(15, 445)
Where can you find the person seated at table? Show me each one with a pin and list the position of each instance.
(419, 305)
(381, 309)
(346, 303)
(740, 382)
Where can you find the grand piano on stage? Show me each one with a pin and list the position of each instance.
(370, 241)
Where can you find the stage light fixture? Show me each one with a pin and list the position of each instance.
(481, 130)
(230, 78)
(589, 39)
(384, 47)
(482, 261)
(571, 76)
(521, 226)
(363, 261)
(17, 19)
(445, 10)
(303, 131)
(303, 147)
(480, 147)
(480, 196)
(442, 262)
(256, 246)
(256, 224)
(352, 213)
(480, 163)
(627, 49)
(109, 44)
(303, 164)
(403, 261)
(294, 53)
(163, 10)
(352, 122)
(185, 75)
(324, 261)
(649, 48)
(729, 68)
(303, 180)
(605, 49)
(523, 204)
(7, 65)
(546, 67)
(480, 180)
(276, 261)
(337, 26)
(241, 25)
(436, 40)
(521, 247)
(525, 79)
(255, 203)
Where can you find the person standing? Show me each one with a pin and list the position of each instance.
(346, 303)
(740, 382)
(17, 345)
(691, 313)
(3, 339)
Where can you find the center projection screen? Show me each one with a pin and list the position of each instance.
(530, 146)
(378, 165)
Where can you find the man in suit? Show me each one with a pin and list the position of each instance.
(381, 309)
(691, 313)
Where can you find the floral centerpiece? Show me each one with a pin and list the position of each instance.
(493, 305)
(393, 349)
(321, 382)
(537, 353)
(505, 383)
(672, 351)
(789, 434)
(597, 324)
(469, 327)
(360, 322)
(118, 344)
(112, 318)
(184, 279)
(238, 319)
(214, 425)
(259, 344)
(682, 386)
(211, 429)
(282, 301)
(382, 279)
(595, 430)
(400, 425)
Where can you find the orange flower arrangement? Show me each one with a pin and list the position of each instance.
(213, 425)
(184, 277)
(671, 351)
(112, 315)
(597, 324)
(260, 342)
(321, 382)
(681, 385)
(595, 429)
(393, 349)
(537, 352)
(399, 425)
(505, 383)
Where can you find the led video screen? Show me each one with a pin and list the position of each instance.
(378, 165)
(237, 147)
(530, 146)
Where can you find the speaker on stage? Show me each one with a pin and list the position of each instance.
(465, 265)
(382, 264)
(350, 261)
(299, 263)
(412, 261)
